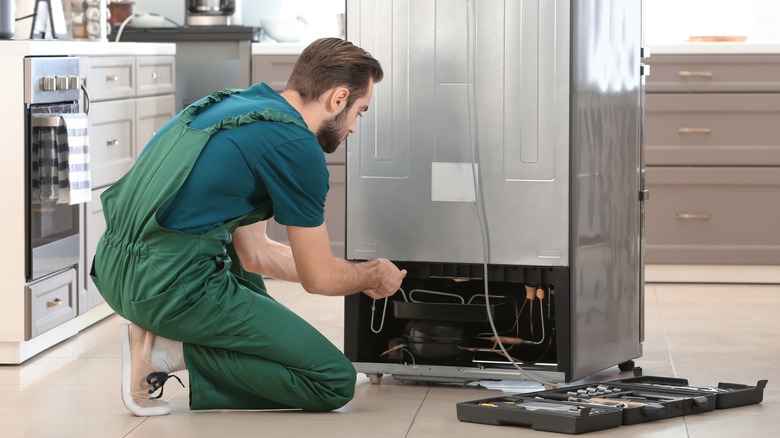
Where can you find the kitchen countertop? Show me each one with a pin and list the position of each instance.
(715, 48)
(83, 48)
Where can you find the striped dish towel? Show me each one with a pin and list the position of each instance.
(45, 166)
(75, 178)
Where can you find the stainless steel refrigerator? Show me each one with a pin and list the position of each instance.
(505, 140)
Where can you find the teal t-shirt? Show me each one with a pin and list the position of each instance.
(249, 166)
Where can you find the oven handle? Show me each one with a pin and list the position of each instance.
(86, 98)
(46, 122)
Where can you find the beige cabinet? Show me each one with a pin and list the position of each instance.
(273, 70)
(130, 99)
(712, 143)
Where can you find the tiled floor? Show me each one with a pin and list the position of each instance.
(706, 333)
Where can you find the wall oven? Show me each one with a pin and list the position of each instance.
(52, 226)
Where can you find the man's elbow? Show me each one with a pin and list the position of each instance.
(316, 284)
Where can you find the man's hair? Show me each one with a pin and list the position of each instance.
(328, 63)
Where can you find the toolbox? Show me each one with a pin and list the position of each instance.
(597, 406)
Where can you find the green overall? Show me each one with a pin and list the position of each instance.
(243, 349)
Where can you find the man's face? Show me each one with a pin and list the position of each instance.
(335, 130)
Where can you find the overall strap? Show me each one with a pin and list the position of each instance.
(270, 115)
(191, 111)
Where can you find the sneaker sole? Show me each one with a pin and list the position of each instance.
(127, 398)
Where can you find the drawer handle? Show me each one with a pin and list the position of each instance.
(156, 75)
(699, 74)
(110, 143)
(112, 78)
(693, 216)
(54, 303)
(694, 130)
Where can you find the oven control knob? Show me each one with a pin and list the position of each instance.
(62, 83)
(49, 83)
(73, 82)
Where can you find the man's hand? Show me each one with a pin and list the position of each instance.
(321, 273)
(388, 277)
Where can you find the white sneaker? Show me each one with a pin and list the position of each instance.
(139, 378)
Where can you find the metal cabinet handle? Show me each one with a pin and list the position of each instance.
(694, 130)
(693, 216)
(54, 303)
(112, 142)
(156, 75)
(112, 78)
(688, 74)
(46, 121)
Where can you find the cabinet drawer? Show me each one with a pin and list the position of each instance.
(715, 215)
(714, 73)
(712, 129)
(155, 75)
(50, 302)
(152, 114)
(111, 140)
(274, 70)
(110, 77)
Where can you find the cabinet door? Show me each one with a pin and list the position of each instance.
(50, 302)
(95, 226)
(713, 215)
(714, 73)
(155, 75)
(152, 113)
(274, 70)
(110, 77)
(111, 140)
(712, 129)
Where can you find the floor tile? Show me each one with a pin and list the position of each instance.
(707, 333)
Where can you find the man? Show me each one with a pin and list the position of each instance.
(185, 244)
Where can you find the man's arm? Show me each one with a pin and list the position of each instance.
(263, 256)
(321, 273)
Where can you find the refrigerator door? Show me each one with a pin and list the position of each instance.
(606, 123)
(466, 82)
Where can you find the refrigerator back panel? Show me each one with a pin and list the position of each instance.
(470, 88)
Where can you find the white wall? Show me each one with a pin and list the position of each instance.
(673, 21)
(252, 10)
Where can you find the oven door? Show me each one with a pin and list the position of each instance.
(52, 225)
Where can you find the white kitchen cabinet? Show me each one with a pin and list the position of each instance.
(36, 316)
(155, 75)
(112, 133)
(94, 226)
(131, 98)
(51, 302)
(152, 113)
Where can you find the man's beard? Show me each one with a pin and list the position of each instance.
(333, 132)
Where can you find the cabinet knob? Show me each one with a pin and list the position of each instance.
(112, 78)
(693, 130)
(693, 216)
(156, 76)
(54, 303)
(114, 142)
(688, 74)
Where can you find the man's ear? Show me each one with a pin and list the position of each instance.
(338, 99)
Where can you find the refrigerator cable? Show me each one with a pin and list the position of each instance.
(479, 199)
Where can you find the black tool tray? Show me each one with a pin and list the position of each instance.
(727, 395)
(636, 400)
(546, 415)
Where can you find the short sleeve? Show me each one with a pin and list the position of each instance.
(296, 177)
